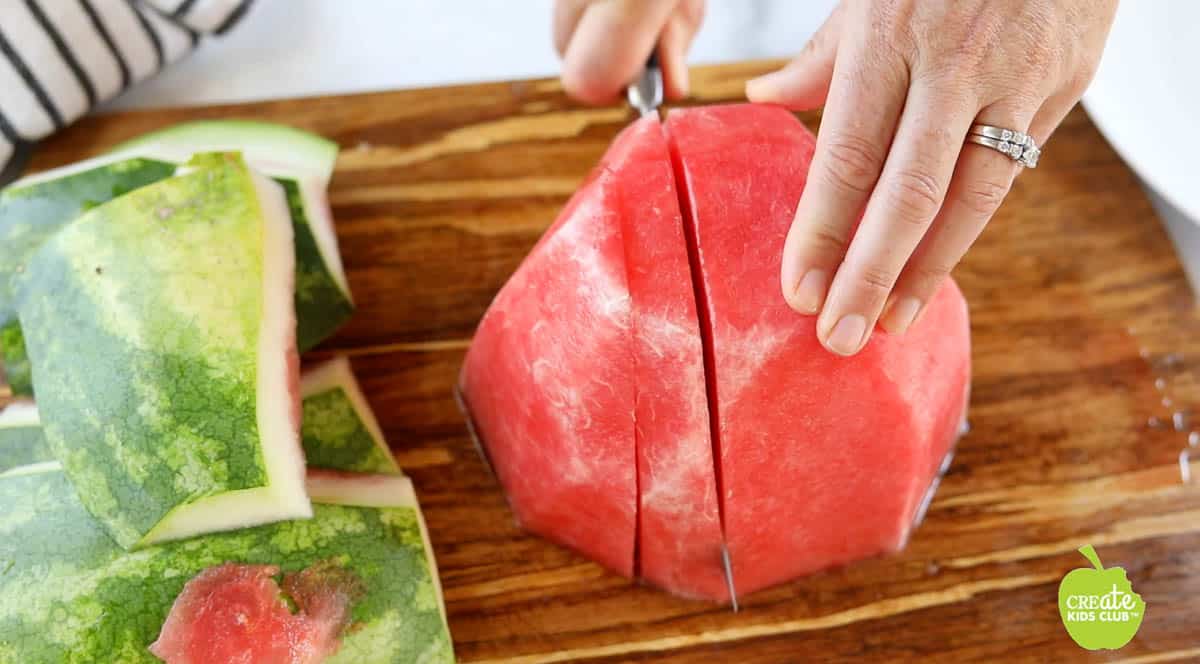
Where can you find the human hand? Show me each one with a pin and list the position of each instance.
(605, 43)
(902, 82)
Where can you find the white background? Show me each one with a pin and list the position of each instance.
(291, 48)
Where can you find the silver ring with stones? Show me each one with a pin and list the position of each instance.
(1017, 145)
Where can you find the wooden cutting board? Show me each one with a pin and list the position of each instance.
(1083, 328)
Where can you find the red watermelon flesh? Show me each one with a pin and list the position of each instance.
(637, 321)
(823, 459)
(234, 614)
(679, 538)
(549, 382)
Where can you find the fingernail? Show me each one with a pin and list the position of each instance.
(847, 335)
(901, 315)
(810, 292)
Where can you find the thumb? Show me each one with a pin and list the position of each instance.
(610, 45)
(804, 82)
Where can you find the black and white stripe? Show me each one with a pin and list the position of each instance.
(59, 58)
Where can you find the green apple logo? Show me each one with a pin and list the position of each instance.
(1098, 606)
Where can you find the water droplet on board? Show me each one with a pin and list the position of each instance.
(1154, 422)
(1166, 402)
(1180, 420)
(1144, 352)
(932, 568)
(1185, 466)
(1194, 438)
(1160, 384)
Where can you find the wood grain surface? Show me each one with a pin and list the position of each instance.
(1078, 308)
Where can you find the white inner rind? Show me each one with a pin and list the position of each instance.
(380, 491)
(163, 153)
(20, 414)
(284, 497)
(331, 487)
(337, 374)
(33, 469)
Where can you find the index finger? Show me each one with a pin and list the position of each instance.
(863, 107)
(610, 45)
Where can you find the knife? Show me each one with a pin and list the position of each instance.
(728, 565)
(645, 93)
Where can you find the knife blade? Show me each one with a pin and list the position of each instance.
(725, 562)
(645, 93)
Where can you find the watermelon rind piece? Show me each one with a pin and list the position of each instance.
(36, 206)
(72, 596)
(21, 439)
(382, 491)
(323, 299)
(267, 145)
(162, 330)
(303, 163)
(338, 428)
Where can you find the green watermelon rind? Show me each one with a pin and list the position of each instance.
(72, 596)
(177, 420)
(264, 144)
(302, 162)
(323, 299)
(338, 428)
(36, 207)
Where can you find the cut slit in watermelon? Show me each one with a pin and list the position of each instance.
(679, 529)
(772, 398)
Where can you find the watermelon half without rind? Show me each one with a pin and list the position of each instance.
(21, 439)
(72, 596)
(338, 428)
(759, 454)
(162, 330)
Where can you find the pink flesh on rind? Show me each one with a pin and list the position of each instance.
(234, 613)
(823, 460)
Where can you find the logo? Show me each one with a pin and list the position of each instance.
(1098, 606)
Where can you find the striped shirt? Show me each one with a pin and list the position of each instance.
(60, 58)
